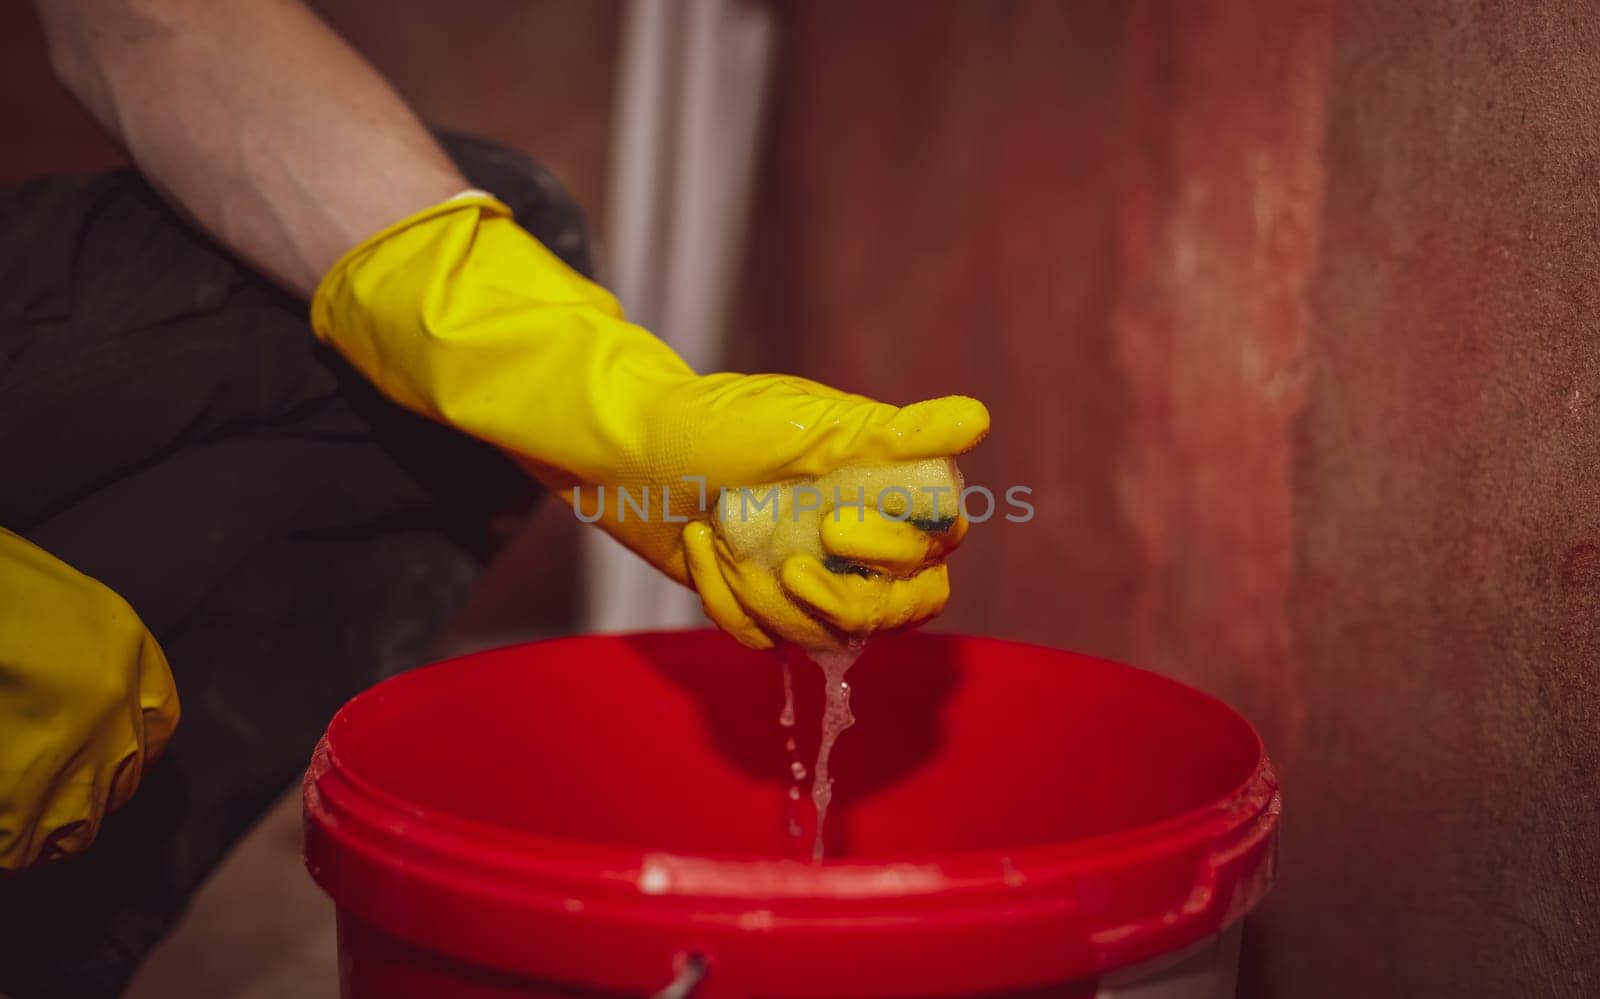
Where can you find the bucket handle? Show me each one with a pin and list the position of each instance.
(691, 972)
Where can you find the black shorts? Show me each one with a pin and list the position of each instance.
(169, 426)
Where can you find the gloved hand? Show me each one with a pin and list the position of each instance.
(86, 703)
(460, 314)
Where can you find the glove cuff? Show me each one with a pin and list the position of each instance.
(460, 314)
(323, 307)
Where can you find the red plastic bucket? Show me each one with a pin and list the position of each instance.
(585, 814)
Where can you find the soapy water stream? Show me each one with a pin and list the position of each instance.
(797, 770)
(794, 527)
(786, 719)
(836, 717)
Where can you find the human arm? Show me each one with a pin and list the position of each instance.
(277, 139)
(256, 119)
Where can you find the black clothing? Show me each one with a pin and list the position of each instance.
(170, 426)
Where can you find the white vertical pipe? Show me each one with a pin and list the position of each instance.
(617, 596)
(691, 84)
(728, 47)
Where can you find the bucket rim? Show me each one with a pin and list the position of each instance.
(1258, 793)
(1200, 869)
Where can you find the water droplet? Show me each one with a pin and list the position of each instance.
(786, 718)
(1009, 873)
(654, 880)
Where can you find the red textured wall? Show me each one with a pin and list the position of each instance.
(1448, 513)
(1288, 313)
(44, 130)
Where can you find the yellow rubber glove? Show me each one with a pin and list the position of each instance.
(86, 703)
(822, 562)
(460, 314)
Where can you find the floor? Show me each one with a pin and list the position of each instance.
(260, 929)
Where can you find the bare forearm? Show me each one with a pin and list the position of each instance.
(256, 119)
